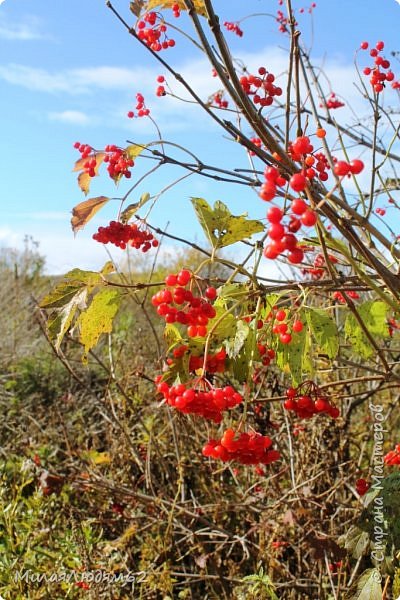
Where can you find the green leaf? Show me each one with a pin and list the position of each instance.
(374, 316)
(368, 586)
(233, 291)
(59, 323)
(324, 331)
(356, 541)
(269, 302)
(226, 327)
(291, 358)
(233, 345)
(73, 281)
(61, 295)
(133, 208)
(98, 318)
(220, 226)
(241, 362)
(172, 336)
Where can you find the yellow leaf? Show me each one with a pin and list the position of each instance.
(84, 178)
(109, 267)
(134, 150)
(98, 318)
(97, 458)
(84, 211)
(198, 5)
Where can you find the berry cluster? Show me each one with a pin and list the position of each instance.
(160, 91)
(249, 449)
(318, 269)
(379, 72)
(393, 457)
(261, 87)
(266, 354)
(195, 400)
(332, 102)
(233, 27)
(123, 234)
(152, 30)
(283, 21)
(282, 237)
(219, 100)
(362, 486)
(215, 363)
(342, 300)
(282, 328)
(180, 305)
(306, 401)
(118, 161)
(142, 110)
(87, 152)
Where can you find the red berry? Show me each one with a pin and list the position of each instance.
(183, 277)
(341, 168)
(298, 206)
(274, 214)
(267, 191)
(211, 293)
(296, 256)
(170, 280)
(356, 166)
(297, 326)
(298, 182)
(309, 218)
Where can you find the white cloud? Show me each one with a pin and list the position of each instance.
(75, 117)
(27, 29)
(75, 81)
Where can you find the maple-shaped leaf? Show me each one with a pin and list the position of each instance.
(84, 211)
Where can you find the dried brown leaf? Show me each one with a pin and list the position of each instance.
(84, 211)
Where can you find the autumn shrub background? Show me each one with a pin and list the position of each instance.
(121, 452)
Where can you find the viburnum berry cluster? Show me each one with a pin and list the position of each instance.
(248, 449)
(281, 237)
(393, 457)
(307, 401)
(142, 110)
(233, 27)
(152, 30)
(332, 102)
(261, 87)
(118, 159)
(379, 72)
(341, 299)
(177, 304)
(124, 234)
(283, 21)
(219, 100)
(194, 398)
(319, 269)
(283, 328)
(215, 363)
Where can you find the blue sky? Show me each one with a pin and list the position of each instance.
(68, 71)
